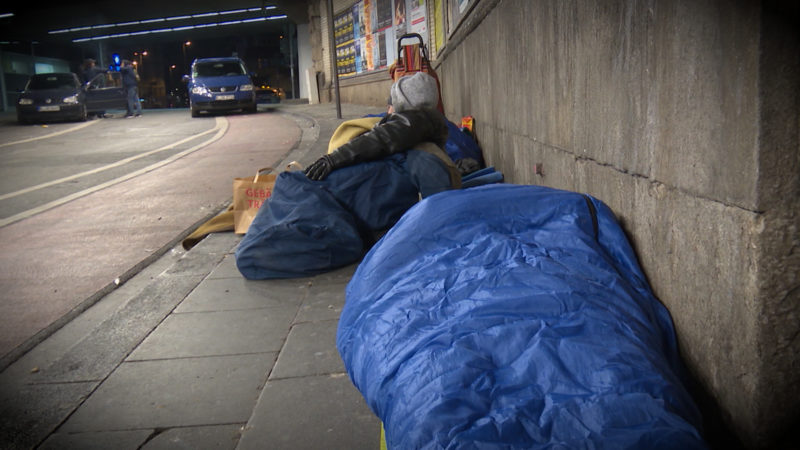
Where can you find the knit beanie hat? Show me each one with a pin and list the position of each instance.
(416, 91)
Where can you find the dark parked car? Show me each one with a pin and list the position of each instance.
(61, 96)
(266, 94)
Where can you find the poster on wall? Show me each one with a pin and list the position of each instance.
(383, 15)
(417, 18)
(365, 35)
(343, 29)
(438, 25)
(400, 22)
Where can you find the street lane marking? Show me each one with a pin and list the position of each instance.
(221, 127)
(47, 136)
(106, 167)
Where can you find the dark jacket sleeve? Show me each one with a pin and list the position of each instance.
(394, 134)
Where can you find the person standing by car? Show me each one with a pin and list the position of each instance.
(130, 81)
(89, 70)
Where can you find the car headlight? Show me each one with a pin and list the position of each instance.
(246, 87)
(26, 101)
(200, 90)
(71, 99)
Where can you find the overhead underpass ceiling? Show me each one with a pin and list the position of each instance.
(34, 21)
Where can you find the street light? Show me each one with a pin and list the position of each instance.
(171, 68)
(183, 47)
(140, 55)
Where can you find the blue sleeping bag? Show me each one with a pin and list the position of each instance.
(509, 316)
(310, 227)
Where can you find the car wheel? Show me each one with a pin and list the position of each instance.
(22, 121)
(195, 111)
(251, 109)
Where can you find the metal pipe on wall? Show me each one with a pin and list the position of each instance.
(332, 53)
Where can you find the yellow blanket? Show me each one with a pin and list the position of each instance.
(347, 130)
(350, 129)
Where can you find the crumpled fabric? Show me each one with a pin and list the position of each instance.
(311, 227)
(508, 316)
(460, 145)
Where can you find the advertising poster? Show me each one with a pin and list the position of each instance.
(438, 21)
(383, 15)
(380, 51)
(400, 22)
(365, 35)
(365, 9)
(417, 20)
(368, 49)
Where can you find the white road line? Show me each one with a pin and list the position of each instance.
(106, 167)
(221, 127)
(47, 136)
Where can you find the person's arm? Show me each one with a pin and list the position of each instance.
(397, 133)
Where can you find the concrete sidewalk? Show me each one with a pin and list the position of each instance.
(189, 354)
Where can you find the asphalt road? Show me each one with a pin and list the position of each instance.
(84, 206)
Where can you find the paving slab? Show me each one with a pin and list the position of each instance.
(174, 393)
(227, 294)
(325, 300)
(220, 437)
(341, 274)
(322, 412)
(217, 333)
(207, 255)
(95, 356)
(53, 348)
(28, 413)
(227, 268)
(103, 440)
(310, 350)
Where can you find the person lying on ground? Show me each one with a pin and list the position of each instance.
(412, 119)
(329, 215)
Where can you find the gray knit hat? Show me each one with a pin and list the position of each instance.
(416, 91)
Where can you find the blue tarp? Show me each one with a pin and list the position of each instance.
(509, 316)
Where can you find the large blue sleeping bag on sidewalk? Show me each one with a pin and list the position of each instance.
(511, 316)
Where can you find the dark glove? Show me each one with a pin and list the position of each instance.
(320, 169)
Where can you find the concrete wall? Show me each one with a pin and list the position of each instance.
(682, 116)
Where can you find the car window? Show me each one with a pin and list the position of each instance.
(53, 81)
(218, 69)
(106, 81)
